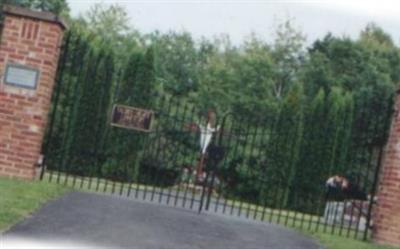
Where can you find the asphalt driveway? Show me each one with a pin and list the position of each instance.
(115, 222)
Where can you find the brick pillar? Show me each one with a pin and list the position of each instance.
(387, 212)
(29, 51)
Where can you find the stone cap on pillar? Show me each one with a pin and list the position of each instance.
(38, 15)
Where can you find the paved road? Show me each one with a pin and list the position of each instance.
(115, 222)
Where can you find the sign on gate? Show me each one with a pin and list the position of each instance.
(132, 118)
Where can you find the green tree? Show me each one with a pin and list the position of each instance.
(176, 62)
(136, 88)
(56, 6)
(287, 53)
(109, 22)
(108, 27)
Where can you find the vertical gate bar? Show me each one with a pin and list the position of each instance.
(202, 119)
(243, 153)
(359, 213)
(161, 151)
(373, 193)
(156, 148)
(355, 147)
(155, 145)
(274, 207)
(360, 148)
(192, 161)
(273, 144)
(181, 149)
(108, 128)
(174, 127)
(213, 169)
(275, 133)
(311, 222)
(302, 218)
(203, 193)
(66, 110)
(74, 88)
(224, 161)
(234, 124)
(102, 134)
(289, 183)
(378, 167)
(149, 146)
(370, 157)
(295, 218)
(311, 121)
(159, 146)
(145, 141)
(207, 185)
(283, 195)
(260, 178)
(320, 204)
(352, 162)
(355, 128)
(74, 109)
(92, 75)
(60, 74)
(211, 185)
(363, 148)
(185, 150)
(249, 167)
(333, 226)
(104, 138)
(155, 153)
(147, 152)
(129, 179)
(309, 204)
(235, 152)
(2, 17)
(271, 126)
(98, 137)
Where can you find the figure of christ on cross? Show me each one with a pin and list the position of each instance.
(206, 135)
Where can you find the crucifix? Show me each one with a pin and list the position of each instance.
(206, 134)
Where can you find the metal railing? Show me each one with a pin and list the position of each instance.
(1, 20)
(271, 168)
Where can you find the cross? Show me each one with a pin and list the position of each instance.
(206, 135)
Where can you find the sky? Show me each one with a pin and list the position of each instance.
(240, 18)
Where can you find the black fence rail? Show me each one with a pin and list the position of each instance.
(270, 168)
(2, 16)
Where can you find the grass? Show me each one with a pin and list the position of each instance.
(338, 242)
(18, 199)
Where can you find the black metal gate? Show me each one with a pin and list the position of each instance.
(264, 168)
(1, 20)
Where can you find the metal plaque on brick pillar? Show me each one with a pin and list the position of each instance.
(132, 118)
(21, 76)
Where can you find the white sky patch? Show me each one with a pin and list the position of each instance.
(372, 8)
(240, 18)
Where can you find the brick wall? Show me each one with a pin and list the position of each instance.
(387, 212)
(34, 42)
